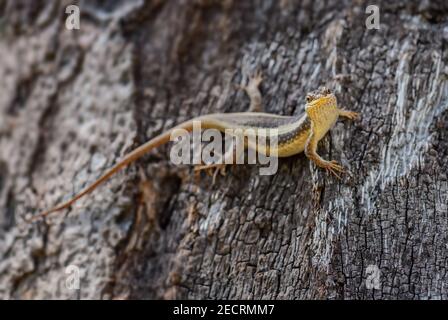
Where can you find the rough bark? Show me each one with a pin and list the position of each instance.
(73, 102)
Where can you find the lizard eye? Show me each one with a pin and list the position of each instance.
(309, 98)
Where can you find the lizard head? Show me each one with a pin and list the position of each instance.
(320, 100)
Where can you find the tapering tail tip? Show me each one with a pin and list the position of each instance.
(29, 218)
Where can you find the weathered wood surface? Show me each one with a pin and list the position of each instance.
(73, 102)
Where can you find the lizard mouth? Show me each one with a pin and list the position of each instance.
(320, 104)
(320, 101)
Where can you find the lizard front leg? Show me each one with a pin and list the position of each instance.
(311, 152)
(348, 114)
(253, 92)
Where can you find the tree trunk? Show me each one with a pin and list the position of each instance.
(73, 102)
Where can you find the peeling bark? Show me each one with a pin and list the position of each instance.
(72, 102)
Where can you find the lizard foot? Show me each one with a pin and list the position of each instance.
(256, 79)
(253, 83)
(333, 168)
(350, 114)
(212, 170)
(253, 92)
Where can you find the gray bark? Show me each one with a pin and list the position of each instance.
(72, 102)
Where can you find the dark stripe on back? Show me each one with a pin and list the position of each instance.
(285, 137)
(256, 121)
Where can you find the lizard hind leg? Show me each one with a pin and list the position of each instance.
(253, 91)
(212, 170)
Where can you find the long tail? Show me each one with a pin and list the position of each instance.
(129, 158)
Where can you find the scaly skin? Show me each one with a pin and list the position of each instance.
(295, 134)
